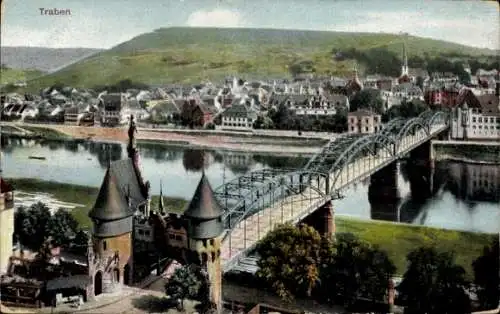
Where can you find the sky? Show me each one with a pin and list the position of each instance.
(106, 23)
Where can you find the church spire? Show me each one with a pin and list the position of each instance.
(404, 67)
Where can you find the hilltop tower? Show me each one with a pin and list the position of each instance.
(204, 230)
(6, 223)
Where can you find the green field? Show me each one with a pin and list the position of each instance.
(399, 239)
(396, 239)
(189, 55)
(14, 75)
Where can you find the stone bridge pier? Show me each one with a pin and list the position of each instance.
(423, 154)
(383, 193)
(421, 179)
(323, 220)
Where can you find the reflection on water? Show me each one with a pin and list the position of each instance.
(453, 195)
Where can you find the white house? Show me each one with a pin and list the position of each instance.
(475, 123)
(363, 122)
(238, 117)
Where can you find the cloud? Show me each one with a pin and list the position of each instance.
(215, 18)
(416, 23)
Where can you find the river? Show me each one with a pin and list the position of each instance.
(462, 196)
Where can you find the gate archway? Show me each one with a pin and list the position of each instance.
(98, 283)
(126, 275)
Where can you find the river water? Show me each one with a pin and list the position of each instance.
(456, 195)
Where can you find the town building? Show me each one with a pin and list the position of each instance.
(363, 122)
(238, 117)
(110, 107)
(6, 224)
(477, 117)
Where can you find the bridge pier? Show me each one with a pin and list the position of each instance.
(323, 220)
(383, 193)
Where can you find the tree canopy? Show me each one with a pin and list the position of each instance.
(35, 225)
(289, 260)
(486, 268)
(298, 262)
(186, 283)
(433, 283)
(367, 99)
(356, 270)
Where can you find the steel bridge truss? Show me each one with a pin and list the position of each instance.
(321, 178)
(250, 193)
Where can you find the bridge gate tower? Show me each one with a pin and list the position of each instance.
(204, 230)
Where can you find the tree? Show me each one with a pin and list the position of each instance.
(36, 225)
(289, 260)
(486, 268)
(357, 270)
(63, 227)
(21, 227)
(185, 283)
(433, 283)
(367, 99)
(80, 242)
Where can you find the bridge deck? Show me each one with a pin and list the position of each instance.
(296, 207)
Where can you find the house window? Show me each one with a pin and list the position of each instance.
(352, 128)
(212, 242)
(178, 238)
(104, 245)
(366, 129)
(204, 242)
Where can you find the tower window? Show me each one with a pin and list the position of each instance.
(104, 245)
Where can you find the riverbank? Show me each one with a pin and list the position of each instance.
(395, 238)
(467, 151)
(244, 142)
(84, 196)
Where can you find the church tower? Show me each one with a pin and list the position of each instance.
(404, 67)
(204, 230)
(6, 223)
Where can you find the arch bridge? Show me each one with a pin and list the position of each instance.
(258, 201)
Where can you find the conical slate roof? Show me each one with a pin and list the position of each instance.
(111, 202)
(203, 205)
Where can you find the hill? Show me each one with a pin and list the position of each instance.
(42, 59)
(16, 75)
(189, 55)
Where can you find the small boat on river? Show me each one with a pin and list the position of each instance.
(37, 157)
